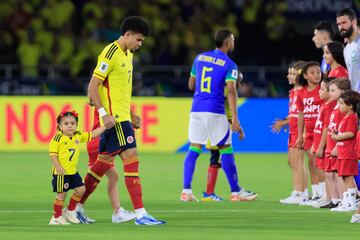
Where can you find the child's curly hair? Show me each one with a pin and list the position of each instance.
(351, 98)
(343, 84)
(66, 114)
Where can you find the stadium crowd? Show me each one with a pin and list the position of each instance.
(68, 35)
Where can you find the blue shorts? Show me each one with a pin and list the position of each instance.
(117, 139)
(63, 183)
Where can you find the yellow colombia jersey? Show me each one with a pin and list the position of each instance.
(67, 150)
(114, 68)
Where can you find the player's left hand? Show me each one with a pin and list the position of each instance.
(334, 136)
(136, 121)
(320, 153)
(235, 127)
(312, 150)
(241, 134)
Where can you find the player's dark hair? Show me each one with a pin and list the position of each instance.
(358, 110)
(346, 12)
(66, 114)
(351, 98)
(302, 80)
(135, 24)
(326, 26)
(343, 84)
(337, 51)
(358, 22)
(221, 36)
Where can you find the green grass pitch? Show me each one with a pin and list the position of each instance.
(26, 203)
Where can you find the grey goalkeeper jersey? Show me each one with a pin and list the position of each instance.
(352, 59)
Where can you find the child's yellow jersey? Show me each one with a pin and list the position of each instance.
(67, 150)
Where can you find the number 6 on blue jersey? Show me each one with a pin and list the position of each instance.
(205, 81)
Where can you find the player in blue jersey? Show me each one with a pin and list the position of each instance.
(212, 72)
(323, 34)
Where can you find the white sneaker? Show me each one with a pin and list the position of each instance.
(282, 200)
(309, 202)
(122, 216)
(344, 207)
(80, 214)
(294, 198)
(71, 216)
(324, 203)
(355, 218)
(184, 197)
(58, 221)
(320, 202)
(335, 209)
(243, 195)
(357, 202)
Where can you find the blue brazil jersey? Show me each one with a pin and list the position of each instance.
(211, 70)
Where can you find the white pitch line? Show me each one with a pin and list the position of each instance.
(185, 211)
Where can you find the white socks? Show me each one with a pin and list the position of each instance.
(315, 190)
(140, 212)
(306, 193)
(351, 194)
(322, 189)
(187, 191)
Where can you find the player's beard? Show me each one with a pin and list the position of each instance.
(347, 33)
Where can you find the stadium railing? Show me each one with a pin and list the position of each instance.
(151, 80)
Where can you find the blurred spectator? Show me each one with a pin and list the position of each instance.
(29, 53)
(276, 21)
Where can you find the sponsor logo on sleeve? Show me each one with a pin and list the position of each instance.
(234, 73)
(103, 67)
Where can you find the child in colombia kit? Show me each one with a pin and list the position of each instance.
(64, 154)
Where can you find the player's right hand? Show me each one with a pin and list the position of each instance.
(276, 126)
(334, 152)
(60, 170)
(109, 121)
(300, 143)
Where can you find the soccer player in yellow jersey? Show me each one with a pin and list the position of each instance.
(110, 91)
(64, 154)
